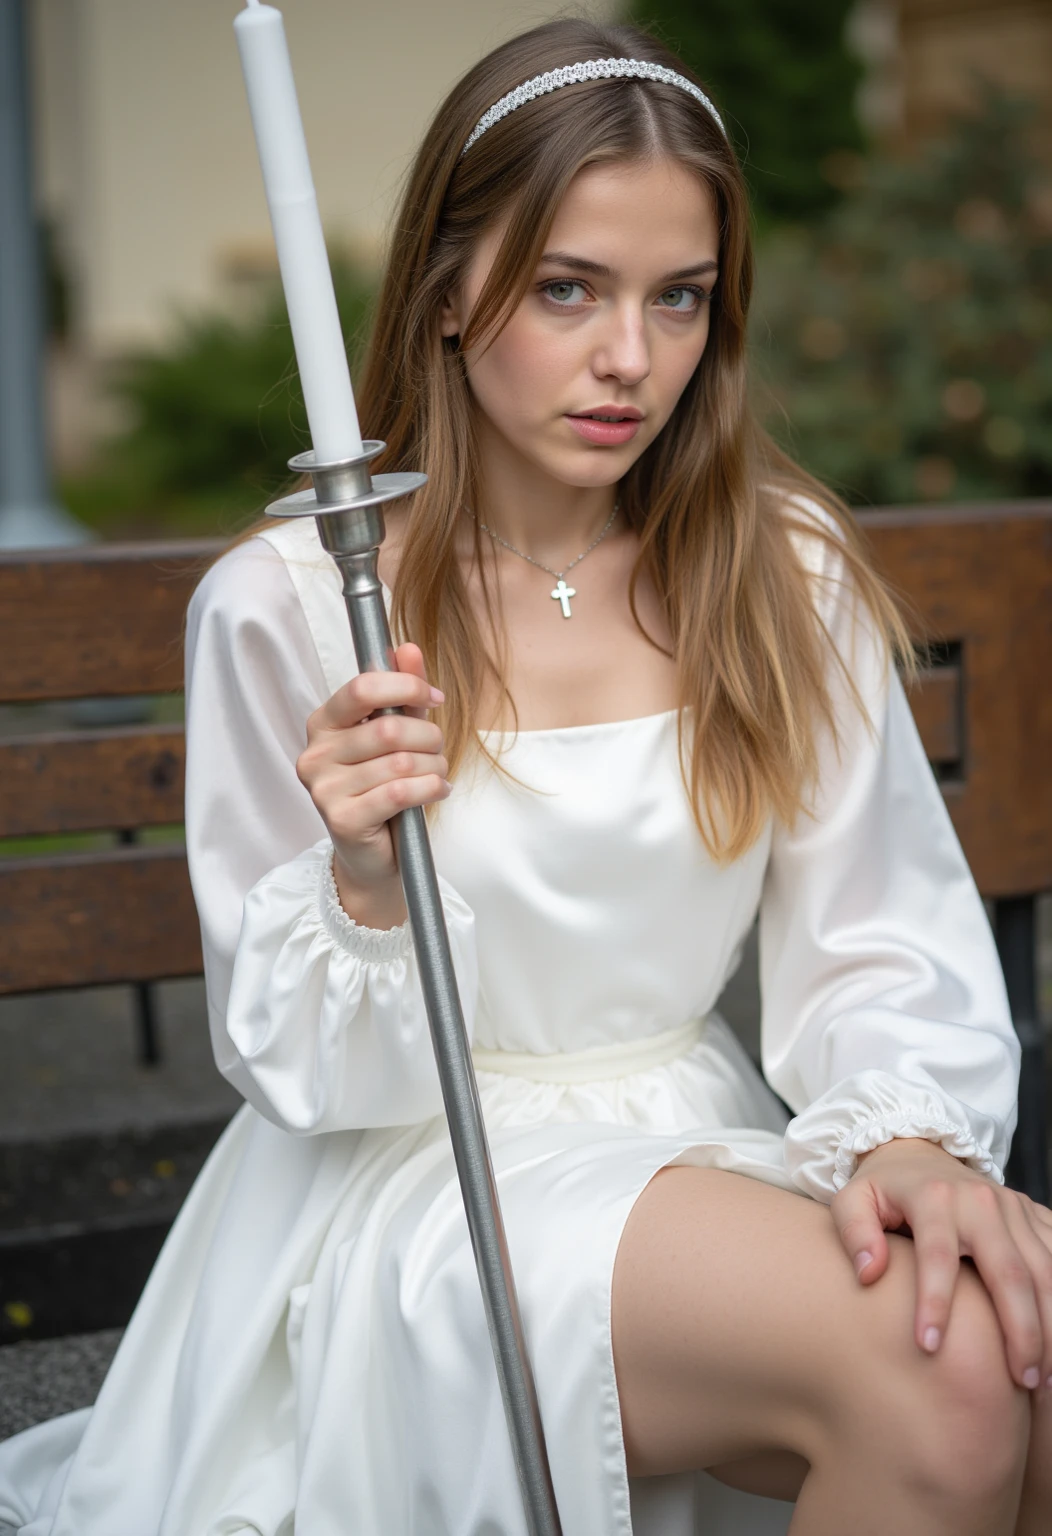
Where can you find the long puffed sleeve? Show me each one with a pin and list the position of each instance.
(318, 1022)
(884, 1008)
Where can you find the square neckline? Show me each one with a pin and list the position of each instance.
(594, 725)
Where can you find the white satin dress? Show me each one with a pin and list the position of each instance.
(310, 1354)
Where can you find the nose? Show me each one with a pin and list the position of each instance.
(623, 349)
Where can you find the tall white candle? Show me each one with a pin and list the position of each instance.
(302, 258)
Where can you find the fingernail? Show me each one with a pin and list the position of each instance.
(1031, 1378)
(437, 696)
(1048, 1383)
(448, 785)
(862, 1260)
(931, 1339)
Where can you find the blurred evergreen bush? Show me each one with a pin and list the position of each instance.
(906, 337)
(785, 83)
(213, 418)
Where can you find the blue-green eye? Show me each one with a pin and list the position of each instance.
(563, 291)
(682, 299)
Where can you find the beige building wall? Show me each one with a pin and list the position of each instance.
(146, 160)
(947, 44)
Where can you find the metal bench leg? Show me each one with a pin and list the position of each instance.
(1016, 933)
(146, 1020)
(143, 1000)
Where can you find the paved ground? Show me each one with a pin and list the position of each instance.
(68, 1066)
(40, 1380)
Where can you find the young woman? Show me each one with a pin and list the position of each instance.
(650, 659)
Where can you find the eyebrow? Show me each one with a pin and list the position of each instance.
(597, 269)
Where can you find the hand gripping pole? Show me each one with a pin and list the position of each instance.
(347, 503)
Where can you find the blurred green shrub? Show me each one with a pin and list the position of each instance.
(784, 82)
(906, 338)
(212, 418)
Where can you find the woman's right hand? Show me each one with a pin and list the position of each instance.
(361, 768)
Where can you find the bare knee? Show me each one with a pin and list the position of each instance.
(1038, 1481)
(955, 1424)
(981, 1420)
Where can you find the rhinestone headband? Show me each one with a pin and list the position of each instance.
(577, 74)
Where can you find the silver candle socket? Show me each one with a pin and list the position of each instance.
(347, 503)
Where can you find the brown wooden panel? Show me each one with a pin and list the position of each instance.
(938, 710)
(99, 621)
(983, 576)
(86, 919)
(85, 781)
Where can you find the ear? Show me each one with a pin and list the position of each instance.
(450, 316)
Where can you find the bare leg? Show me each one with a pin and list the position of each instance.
(744, 1344)
(1035, 1511)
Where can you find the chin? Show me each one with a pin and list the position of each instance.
(590, 469)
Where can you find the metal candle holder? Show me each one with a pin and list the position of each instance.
(347, 503)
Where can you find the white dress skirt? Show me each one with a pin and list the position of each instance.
(310, 1354)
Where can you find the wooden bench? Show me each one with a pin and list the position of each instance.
(106, 622)
(979, 580)
(101, 623)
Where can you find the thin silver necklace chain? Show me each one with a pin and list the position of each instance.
(562, 593)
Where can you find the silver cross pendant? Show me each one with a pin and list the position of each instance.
(563, 594)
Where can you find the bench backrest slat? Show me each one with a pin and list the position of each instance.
(101, 621)
(125, 914)
(89, 781)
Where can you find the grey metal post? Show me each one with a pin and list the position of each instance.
(1015, 929)
(29, 515)
(347, 503)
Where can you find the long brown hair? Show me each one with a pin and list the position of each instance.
(708, 500)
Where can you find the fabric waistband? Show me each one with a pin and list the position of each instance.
(597, 1065)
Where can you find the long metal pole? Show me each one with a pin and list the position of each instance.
(346, 502)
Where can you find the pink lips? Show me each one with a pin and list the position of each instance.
(607, 434)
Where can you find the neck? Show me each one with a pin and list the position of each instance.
(542, 516)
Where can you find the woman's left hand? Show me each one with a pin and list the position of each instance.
(953, 1212)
